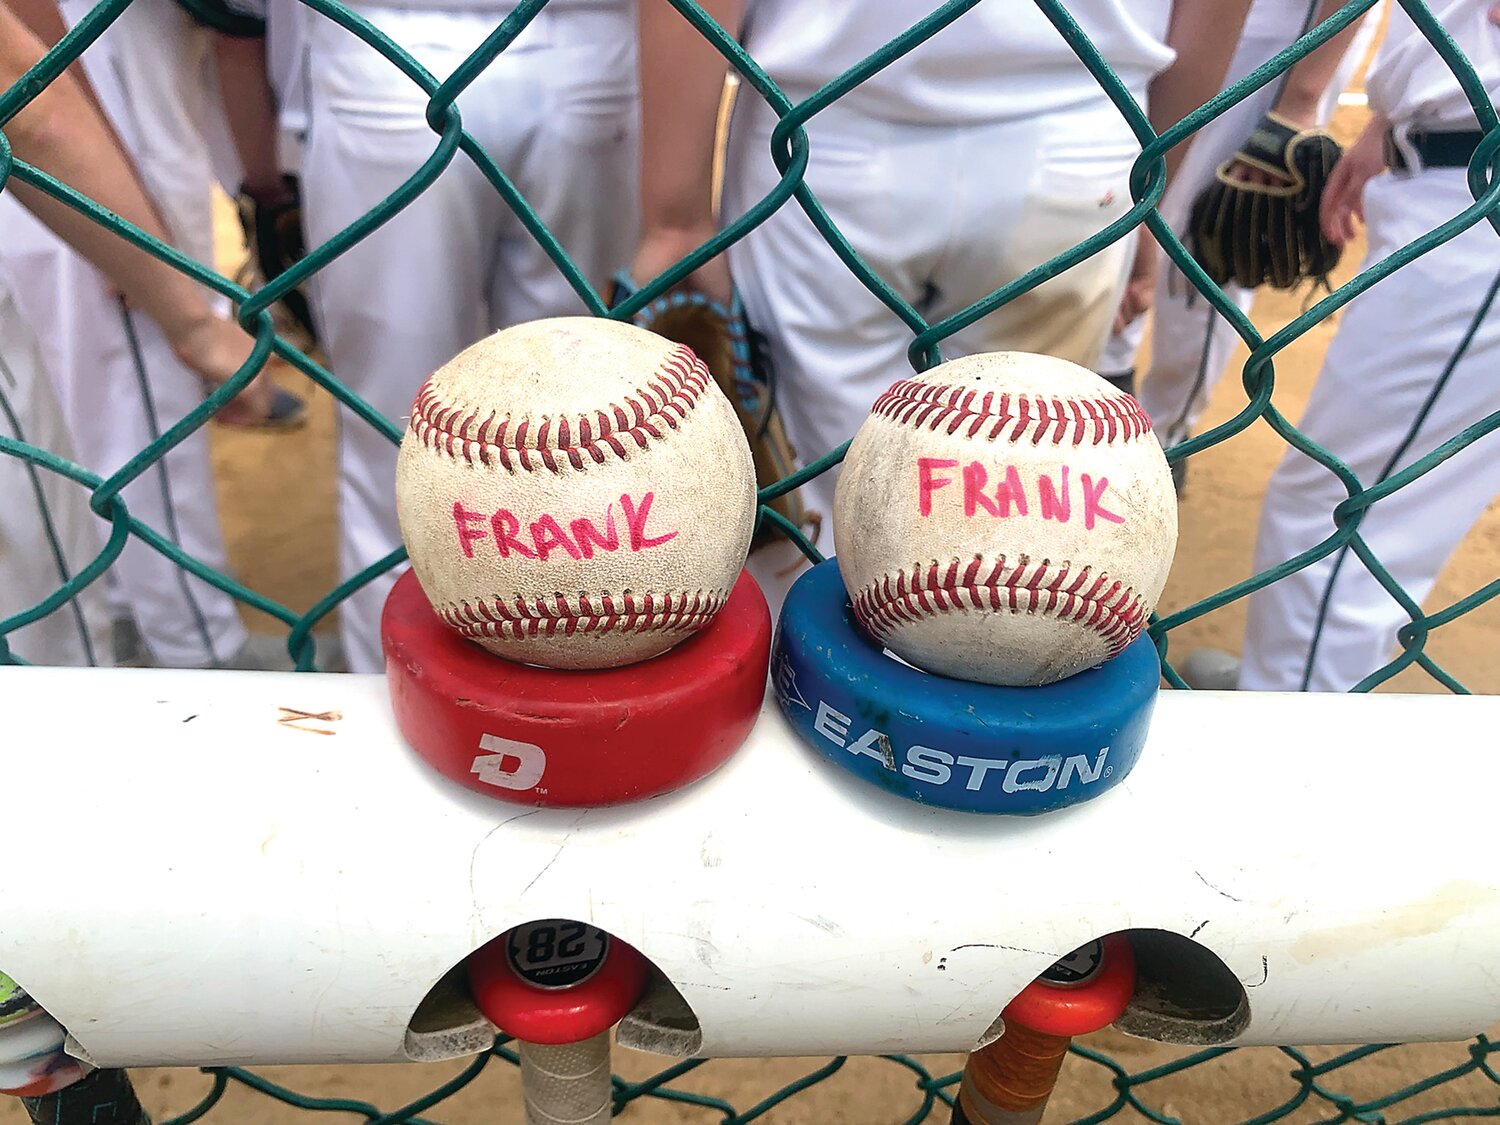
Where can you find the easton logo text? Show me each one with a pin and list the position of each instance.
(932, 766)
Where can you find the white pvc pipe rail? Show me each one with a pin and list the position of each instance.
(222, 867)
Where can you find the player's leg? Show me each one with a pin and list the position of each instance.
(184, 620)
(1190, 342)
(577, 162)
(1402, 376)
(287, 67)
(163, 61)
(411, 295)
(150, 71)
(834, 345)
(119, 387)
(47, 531)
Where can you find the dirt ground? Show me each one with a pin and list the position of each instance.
(278, 504)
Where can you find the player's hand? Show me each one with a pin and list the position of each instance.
(661, 249)
(1140, 287)
(1344, 196)
(215, 349)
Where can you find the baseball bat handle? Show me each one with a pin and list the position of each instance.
(567, 1084)
(104, 1097)
(1009, 1081)
(558, 986)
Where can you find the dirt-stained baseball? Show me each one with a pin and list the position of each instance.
(1007, 518)
(575, 493)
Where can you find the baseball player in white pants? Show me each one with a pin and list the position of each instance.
(117, 380)
(46, 526)
(1413, 364)
(984, 152)
(557, 111)
(47, 532)
(1190, 342)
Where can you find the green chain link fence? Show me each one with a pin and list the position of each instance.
(1309, 1091)
(1306, 1094)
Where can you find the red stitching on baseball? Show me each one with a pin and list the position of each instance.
(1090, 599)
(942, 406)
(520, 617)
(555, 443)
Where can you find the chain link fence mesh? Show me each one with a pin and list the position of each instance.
(1310, 1090)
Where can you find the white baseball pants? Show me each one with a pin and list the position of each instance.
(1403, 375)
(47, 532)
(119, 386)
(162, 93)
(557, 111)
(945, 214)
(116, 379)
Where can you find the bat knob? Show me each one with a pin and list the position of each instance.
(1087, 990)
(555, 981)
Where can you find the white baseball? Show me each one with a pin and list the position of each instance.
(575, 493)
(1007, 518)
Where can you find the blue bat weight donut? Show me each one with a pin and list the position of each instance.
(952, 743)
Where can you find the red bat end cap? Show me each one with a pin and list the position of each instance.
(540, 736)
(556, 981)
(1087, 990)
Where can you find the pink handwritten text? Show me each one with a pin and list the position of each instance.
(1010, 492)
(546, 535)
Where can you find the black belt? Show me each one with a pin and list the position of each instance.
(1434, 150)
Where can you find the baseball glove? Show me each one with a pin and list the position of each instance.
(1258, 234)
(736, 358)
(274, 235)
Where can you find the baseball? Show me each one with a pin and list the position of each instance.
(575, 493)
(1007, 518)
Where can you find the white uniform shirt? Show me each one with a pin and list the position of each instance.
(999, 61)
(1412, 85)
